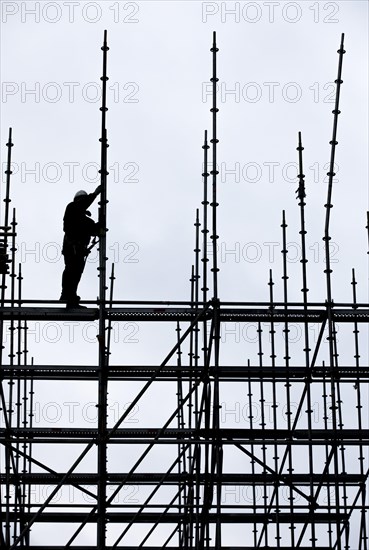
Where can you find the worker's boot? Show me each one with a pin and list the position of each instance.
(65, 298)
(73, 303)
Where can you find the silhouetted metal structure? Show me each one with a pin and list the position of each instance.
(308, 484)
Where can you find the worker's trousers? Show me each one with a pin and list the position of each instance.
(74, 265)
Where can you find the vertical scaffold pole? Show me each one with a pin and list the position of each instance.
(200, 529)
(5, 228)
(328, 271)
(301, 195)
(217, 453)
(287, 358)
(214, 172)
(103, 360)
(11, 463)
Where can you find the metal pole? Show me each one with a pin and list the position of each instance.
(328, 272)
(301, 195)
(103, 360)
(263, 536)
(359, 406)
(6, 228)
(287, 358)
(200, 528)
(217, 452)
(274, 402)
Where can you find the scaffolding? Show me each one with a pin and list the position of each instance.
(306, 484)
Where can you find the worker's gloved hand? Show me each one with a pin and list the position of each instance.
(98, 190)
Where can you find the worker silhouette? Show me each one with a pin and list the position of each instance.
(78, 230)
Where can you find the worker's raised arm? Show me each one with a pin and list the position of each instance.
(97, 190)
(92, 196)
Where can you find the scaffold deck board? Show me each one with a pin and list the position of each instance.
(276, 315)
(173, 373)
(48, 547)
(173, 517)
(175, 478)
(228, 435)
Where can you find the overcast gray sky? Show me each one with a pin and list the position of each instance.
(280, 66)
(276, 65)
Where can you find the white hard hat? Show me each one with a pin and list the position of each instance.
(80, 193)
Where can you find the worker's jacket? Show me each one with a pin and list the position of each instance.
(78, 226)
